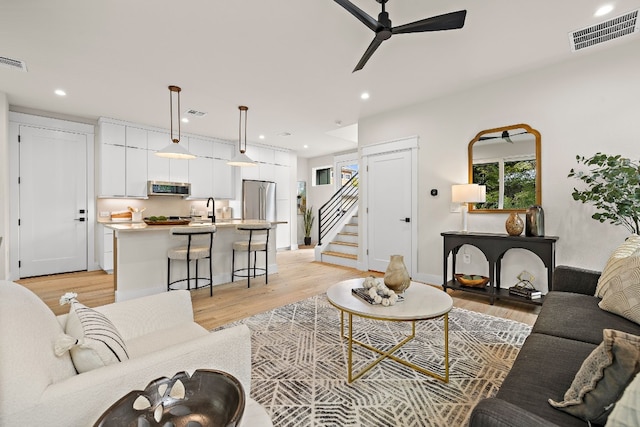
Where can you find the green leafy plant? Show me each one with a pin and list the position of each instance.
(613, 187)
(308, 219)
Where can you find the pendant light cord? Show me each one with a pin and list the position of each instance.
(174, 89)
(245, 109)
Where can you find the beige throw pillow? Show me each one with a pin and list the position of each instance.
(92, 339)
(619, 284)
(627, 411)
(602, 378)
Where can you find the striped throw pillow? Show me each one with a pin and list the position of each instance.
(97, 341)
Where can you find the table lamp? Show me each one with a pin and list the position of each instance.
(465, 194)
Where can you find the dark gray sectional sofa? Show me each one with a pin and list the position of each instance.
(569, 327)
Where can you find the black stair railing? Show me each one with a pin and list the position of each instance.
(330, 213)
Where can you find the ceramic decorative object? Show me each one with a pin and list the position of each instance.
(397, 277)
(535, 221)
(514, 224)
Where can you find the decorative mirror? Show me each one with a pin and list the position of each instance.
(507, 161)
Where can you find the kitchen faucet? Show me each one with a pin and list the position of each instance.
(213, 209)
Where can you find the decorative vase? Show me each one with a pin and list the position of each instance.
(397, 277)
(514, 224)
(307, 241)
(535, 221)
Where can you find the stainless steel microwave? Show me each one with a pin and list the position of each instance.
(163, 188)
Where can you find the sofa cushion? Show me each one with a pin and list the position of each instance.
(545, 367)
(627, 410)
(602, 378)
(161, 339)
(619, 284)
(98, 342)
(578, 317)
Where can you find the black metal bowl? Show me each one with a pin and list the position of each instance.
(207, 398)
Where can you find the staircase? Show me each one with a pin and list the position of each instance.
(343, 249)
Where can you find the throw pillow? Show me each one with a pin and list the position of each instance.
(627, 411)
(92, 339)
(602, 378)
(619, 284)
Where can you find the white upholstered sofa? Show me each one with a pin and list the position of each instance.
(39, 388)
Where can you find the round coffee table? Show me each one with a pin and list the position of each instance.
(421, 302)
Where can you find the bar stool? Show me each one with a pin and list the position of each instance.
(258, 242)
(199, 244)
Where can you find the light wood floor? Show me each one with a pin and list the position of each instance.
(299, 277)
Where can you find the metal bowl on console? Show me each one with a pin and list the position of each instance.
(472, 280)
(207, 398)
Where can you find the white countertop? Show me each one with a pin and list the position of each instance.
(142, 226)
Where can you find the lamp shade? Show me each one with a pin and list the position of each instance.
(468, 193)
(241, 159)
(175, 151)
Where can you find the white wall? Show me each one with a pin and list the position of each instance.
(580, 107)
(4, 185)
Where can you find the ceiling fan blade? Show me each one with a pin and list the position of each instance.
(367, 54)
(359, 13)
(448, 21)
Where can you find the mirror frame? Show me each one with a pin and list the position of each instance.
(529, 129)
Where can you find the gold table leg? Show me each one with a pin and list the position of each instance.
(389, 353)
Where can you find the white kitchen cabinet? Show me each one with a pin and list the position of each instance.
(113, 134)
(136, 172)
(223, 180)
(281, 177)
(178, 170)
(105, 248)
(201, 147)
(112, 171)
(222, 150)
(283, 232)
(250, 172)
(157, 167)
(282, 157)
(136, 137)
(267, 172)
(201, 177)
(264, 155)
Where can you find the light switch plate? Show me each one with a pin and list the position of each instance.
(104, 214)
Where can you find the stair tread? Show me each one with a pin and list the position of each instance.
(340, 254)
(346, 233)
(337, 242)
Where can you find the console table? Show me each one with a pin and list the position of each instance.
(494, 246)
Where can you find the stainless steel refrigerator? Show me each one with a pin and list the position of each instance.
(258, 200)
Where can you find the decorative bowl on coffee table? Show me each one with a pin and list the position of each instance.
(207, 398)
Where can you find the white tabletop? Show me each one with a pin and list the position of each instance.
(420, 302)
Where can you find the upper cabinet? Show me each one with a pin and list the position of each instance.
(127, 161)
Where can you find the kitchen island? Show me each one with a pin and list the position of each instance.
(140, 256)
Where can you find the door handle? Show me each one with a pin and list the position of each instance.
(81, 219)
(405, 219)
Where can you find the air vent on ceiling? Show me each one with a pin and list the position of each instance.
(605, 31)
(195, 113)
(13, 63)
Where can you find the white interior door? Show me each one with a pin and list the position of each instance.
(389, 201)
(53, 201)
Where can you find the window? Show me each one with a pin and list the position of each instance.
(511, 182)
(323, 175)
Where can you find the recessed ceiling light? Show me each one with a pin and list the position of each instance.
(365, 95)
(261, 136)
(603, 10)
(185, 120)
(60, 92)
(305, 146)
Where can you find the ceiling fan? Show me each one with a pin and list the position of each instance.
(383, 29)
(504, 135)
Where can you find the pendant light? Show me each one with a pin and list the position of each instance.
(175, 150)
(241, 159)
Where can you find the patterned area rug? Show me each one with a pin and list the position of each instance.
(299, 367)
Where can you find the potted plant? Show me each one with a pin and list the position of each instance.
(308, 219)
(613, 187)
